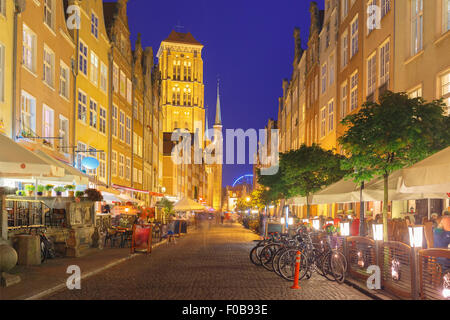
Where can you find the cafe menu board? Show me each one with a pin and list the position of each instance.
(142, 238)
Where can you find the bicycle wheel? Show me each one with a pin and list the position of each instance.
(267, 255)
(254, 255)
(338, 264)
(326, 267)
(287, 265)
(276, 259)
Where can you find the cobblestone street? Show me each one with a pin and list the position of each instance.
(210, 263)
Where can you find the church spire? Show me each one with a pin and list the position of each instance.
(218, 113)
(206, 123)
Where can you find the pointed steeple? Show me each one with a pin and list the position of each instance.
(206, 123)
(218, 113)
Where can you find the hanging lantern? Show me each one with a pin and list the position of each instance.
(360, 259)
(395, 269)
(90, 163)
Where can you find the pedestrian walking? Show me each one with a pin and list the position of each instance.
(222, 216)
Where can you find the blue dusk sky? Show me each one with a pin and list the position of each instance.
(249, 44)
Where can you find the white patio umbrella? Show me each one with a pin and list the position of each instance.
(429, 175)
(187, 204)
(17, 161)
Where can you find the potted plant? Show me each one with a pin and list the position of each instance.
(79, 194)
(40, 190)
(48, 188)
(70, 188)
(20, 193)
(59, 190)
(30, 189)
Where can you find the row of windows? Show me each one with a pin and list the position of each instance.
(122, 84)
(120, 166)
(96, 68)
(121, 125)
(28, 114)
(96, 114)
(29, 57)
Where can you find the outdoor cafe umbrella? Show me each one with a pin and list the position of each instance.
(187, 204)
(17, 161)
(429, 175)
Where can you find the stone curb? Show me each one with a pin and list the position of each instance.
(87, 275)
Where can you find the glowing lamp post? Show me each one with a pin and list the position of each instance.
(415, 240)
(345, 229)
(377, 232)
(415, 236)
(316, 224)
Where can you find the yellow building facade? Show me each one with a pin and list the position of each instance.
(92, 89)
(7, 8)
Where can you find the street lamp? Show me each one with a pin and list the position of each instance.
(316, 224)
(415, 236)
(377, 232)
(345, 229)
(247, 199)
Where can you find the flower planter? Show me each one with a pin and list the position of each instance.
(30, 193)
(71, 193)
(48, 193)
(40, 194)
(58, 194)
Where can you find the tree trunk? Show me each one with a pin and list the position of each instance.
(385, 206)
(362, 220)
(308, 208)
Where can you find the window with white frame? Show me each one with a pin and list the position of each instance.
(345, 51)
(128, 131)
(354, 40)
(29, 49)
(2, 73)
(445, 15)
(27, 113)
(415, 93)
(102, 165)
(331, 116)
(416, 26)
(324, 78)
(128, 168)
(135, 174)
(49, 10)
(115, 121)
(49, 66)
(103, 77)
(385, 7)
(82, 106)
(64, 134)
(372, 24)
(48, 123)
(323, 122)
(371, 74)
(94, 68)
(93, 114)
(344, 100)
(129, 91)
(115, 78)
(344, 6)
(64, 80)
(102, 121)
(384, 63)
(94, 25)
(123, 84)
(81, 154)
(354, 91)
(114, 163)
(122, 126)
(445, 90)
(331, 70)
(3, 7)
(83, 58)
(121, 165)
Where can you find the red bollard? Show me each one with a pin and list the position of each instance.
(297, 271)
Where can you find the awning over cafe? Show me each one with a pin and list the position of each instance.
(17, 161)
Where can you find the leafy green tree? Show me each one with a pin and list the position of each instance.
(308, 169)
(167, 207)
(261, 197)
(389, 135)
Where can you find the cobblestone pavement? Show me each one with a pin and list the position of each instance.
(211, 263)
